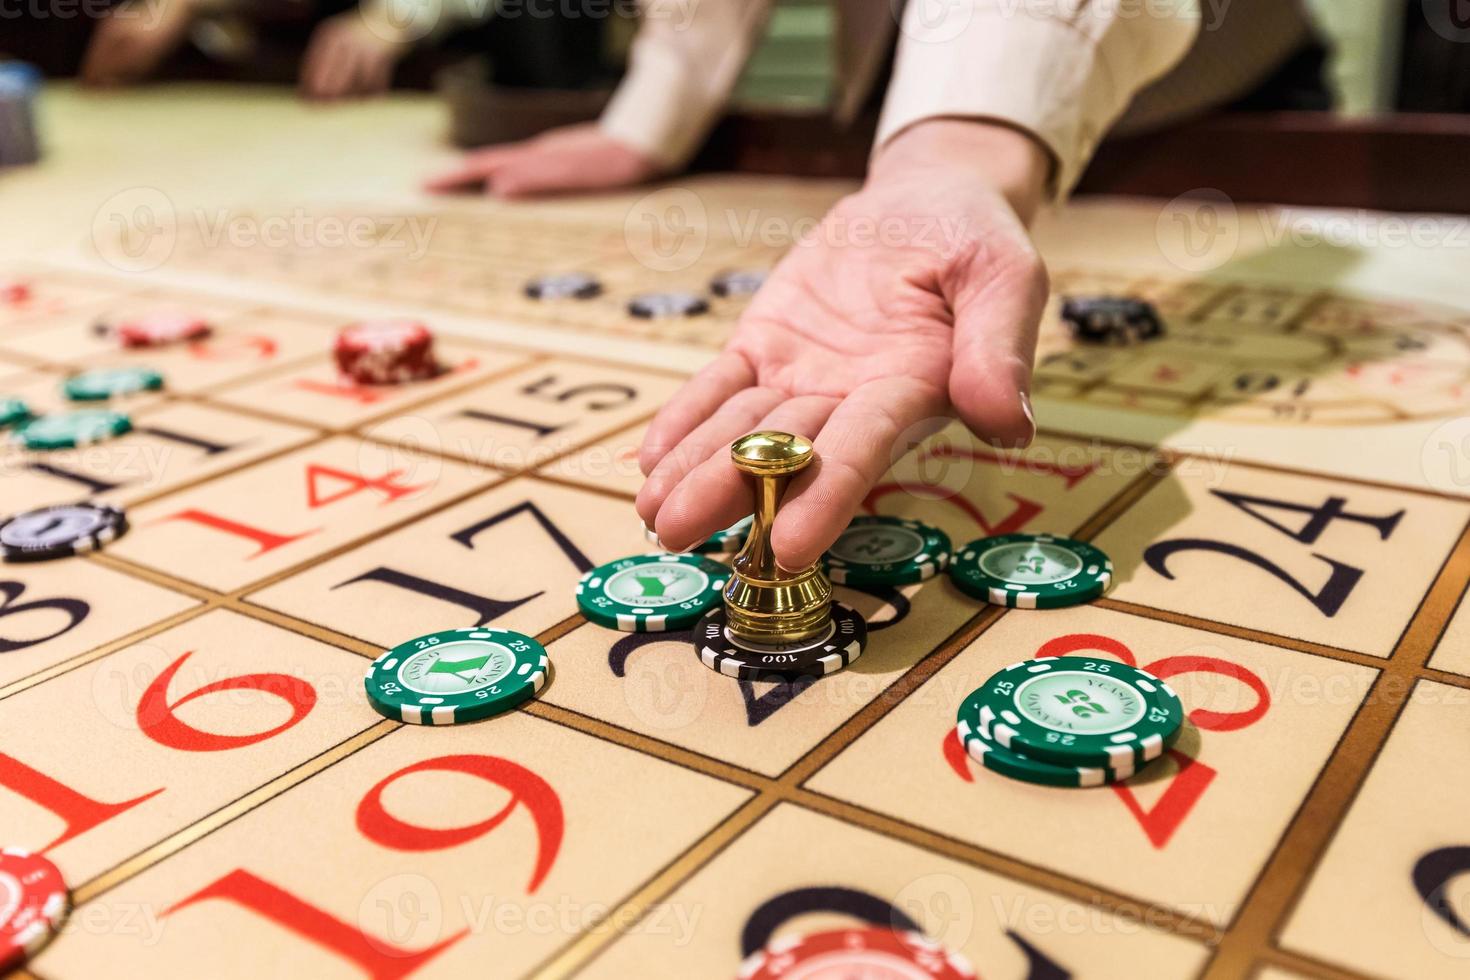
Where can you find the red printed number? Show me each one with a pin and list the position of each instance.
(1163, 819)
(157, 720)
(380, 959)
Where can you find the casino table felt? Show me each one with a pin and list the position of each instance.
(186, 732)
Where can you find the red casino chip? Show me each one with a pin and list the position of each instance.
(158, 329)
(14, 291)
(385, 352)
(857, 954)
(33, 904)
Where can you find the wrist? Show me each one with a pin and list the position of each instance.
(1008, 160)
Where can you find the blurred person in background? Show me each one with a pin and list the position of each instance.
(989, 110)
(331, 49)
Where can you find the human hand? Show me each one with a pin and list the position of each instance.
(573, 158)
(867, 345)
(348, 57)
(133, 40)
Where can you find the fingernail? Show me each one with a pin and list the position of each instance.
(671, 550)
(1030, 419)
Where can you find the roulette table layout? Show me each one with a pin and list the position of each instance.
(189, 762)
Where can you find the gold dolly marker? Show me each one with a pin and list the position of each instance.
(775, 623)
(764, 603)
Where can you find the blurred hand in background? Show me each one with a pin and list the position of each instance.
(134, 39)
(350, 56)
(573, 158)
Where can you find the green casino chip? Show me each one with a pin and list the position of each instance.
(886, 551)
(1079, 711)
(651, 593)
(13, 411)
(105, 383)
(725, 542)
(1031, 571)
(455, 676)
(72, 429)
(984, 750)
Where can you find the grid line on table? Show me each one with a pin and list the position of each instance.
(1287, 874)
(1249, 939)
(778, 788)
(714, 768)
(1307, 966)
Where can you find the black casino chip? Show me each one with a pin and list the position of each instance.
(1117, 320)
(60, 532)
(650, 306)
(737, 282)
(564, 285)
(843, 642)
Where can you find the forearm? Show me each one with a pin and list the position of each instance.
(1062, 72)
(1005, 159)
(683, 66)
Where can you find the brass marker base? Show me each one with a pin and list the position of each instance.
(764, 603)
(778, 613)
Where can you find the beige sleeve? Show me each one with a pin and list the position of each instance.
(683, 65)
(1062, 70)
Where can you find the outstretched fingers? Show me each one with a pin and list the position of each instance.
(474, 169)
(710, 440)
(998, 302)
(699, 398)
(869, 431)
(714, 494)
